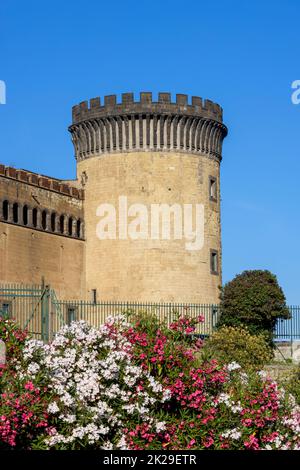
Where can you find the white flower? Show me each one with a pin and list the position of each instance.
(122, 444)
(103, 429)
(244, 378)
(33, 368)
(53, 408)
(263, 374)
(92, 374)
(224, 398)
(161, 426)
(233, 366)
(234, 434)
(236, 408)
(167, 394)
(109, 446)
(131, 408)
(68, 418)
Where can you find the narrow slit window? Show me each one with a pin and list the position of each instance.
(212, 188)
(94, 296)
(78, 228)
(34, 217)
(70, 226)
(214, 262)
(53, 221)
(5, 207)
(44, 220)
(61, 223)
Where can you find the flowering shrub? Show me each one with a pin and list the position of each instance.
(13, 337)
(23, 405)
(163, 351)
(223, 408)
(212, 406)
(140, 385)
(96, 389)
(292, 384)
(23, 416)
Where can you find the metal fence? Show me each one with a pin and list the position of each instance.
(96, 313)
(28, 305)
(289, 330)
(36, 308)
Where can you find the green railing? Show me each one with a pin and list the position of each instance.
(36, 308)
(29, 305)
(96, 313)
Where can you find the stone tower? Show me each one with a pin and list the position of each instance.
(151, 177)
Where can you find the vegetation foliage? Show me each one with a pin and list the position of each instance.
(253, 299)
(138, 384)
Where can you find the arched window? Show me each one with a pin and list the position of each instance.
(16, 212)
(34, 217)
(61, 223)
(78, 228)
(5, 207)
(70, 226)
(53, 221)
(44, 220)
(25, 215)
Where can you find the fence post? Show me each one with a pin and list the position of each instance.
(212, 316)
(215, 315)
(45, 310)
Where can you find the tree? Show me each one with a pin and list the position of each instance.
(253, 299)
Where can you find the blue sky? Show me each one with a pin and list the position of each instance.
(243, 55)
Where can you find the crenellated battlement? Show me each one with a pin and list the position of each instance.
(128, 105)
(147, 125)
(45, 182)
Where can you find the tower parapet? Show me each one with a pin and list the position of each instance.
(147, 125)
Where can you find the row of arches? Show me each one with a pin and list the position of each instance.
(148, 132)
(41, 219)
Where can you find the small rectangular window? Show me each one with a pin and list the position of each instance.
(71, 314)
(214, 262)
(213, 188)
(94, 296)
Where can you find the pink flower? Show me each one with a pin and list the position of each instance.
(29, 386)
(252, 443)
(191, 443)
(247, 422)
(208, 442)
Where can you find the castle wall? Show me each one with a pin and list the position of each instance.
(155, 270)
(41, 232)
(28, 255)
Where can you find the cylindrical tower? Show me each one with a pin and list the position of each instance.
(151, 175)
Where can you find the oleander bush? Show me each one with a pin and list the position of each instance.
(230, 343)
(23, 405)
(292, 384)
(139, 384)
(13, 337)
